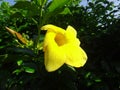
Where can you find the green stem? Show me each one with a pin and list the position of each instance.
(41, 22)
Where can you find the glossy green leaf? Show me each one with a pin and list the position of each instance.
(57, 4)
(29, 70)
(19, 62)
(17, 71)
(66, 11)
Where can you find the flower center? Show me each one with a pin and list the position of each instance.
(60, 39)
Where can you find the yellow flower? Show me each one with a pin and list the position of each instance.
(62, 47)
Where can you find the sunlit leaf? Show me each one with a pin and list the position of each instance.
(57, 4)
(17, 71)
(19, 62)
(29, 70)
(66, 11)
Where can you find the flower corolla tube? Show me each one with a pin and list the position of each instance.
(62, 47)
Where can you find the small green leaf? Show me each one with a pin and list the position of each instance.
(88, 74)
(29, 70)
(1, 47)
(72, 68)
(97, 80)
(19, 62)
(0, 40)
(17, 71)
(3, 57)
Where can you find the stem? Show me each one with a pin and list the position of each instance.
(41, 22)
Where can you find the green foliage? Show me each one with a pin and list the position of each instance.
(54, 5)
(21, 64)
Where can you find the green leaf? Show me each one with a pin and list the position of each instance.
(3, 57)
(30, 8)
(56, 7)
(41, 2)
(1, 47)
(19, 62)
(24, 51)
(66, 11)
(17, 71)
(5, 5)
(57, 4)
(98, 80)
(88, 74)
(29, 70)
(72, 68)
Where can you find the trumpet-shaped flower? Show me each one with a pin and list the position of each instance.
(62, 47)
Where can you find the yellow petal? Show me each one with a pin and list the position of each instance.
(54, 56)
(75, 56)
(70, 35)
(53, 28)
(71, 31)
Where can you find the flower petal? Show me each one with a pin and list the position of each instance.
(53, 28)
(75, 56)
(72, 32)
(71, 36)
(54, 56)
